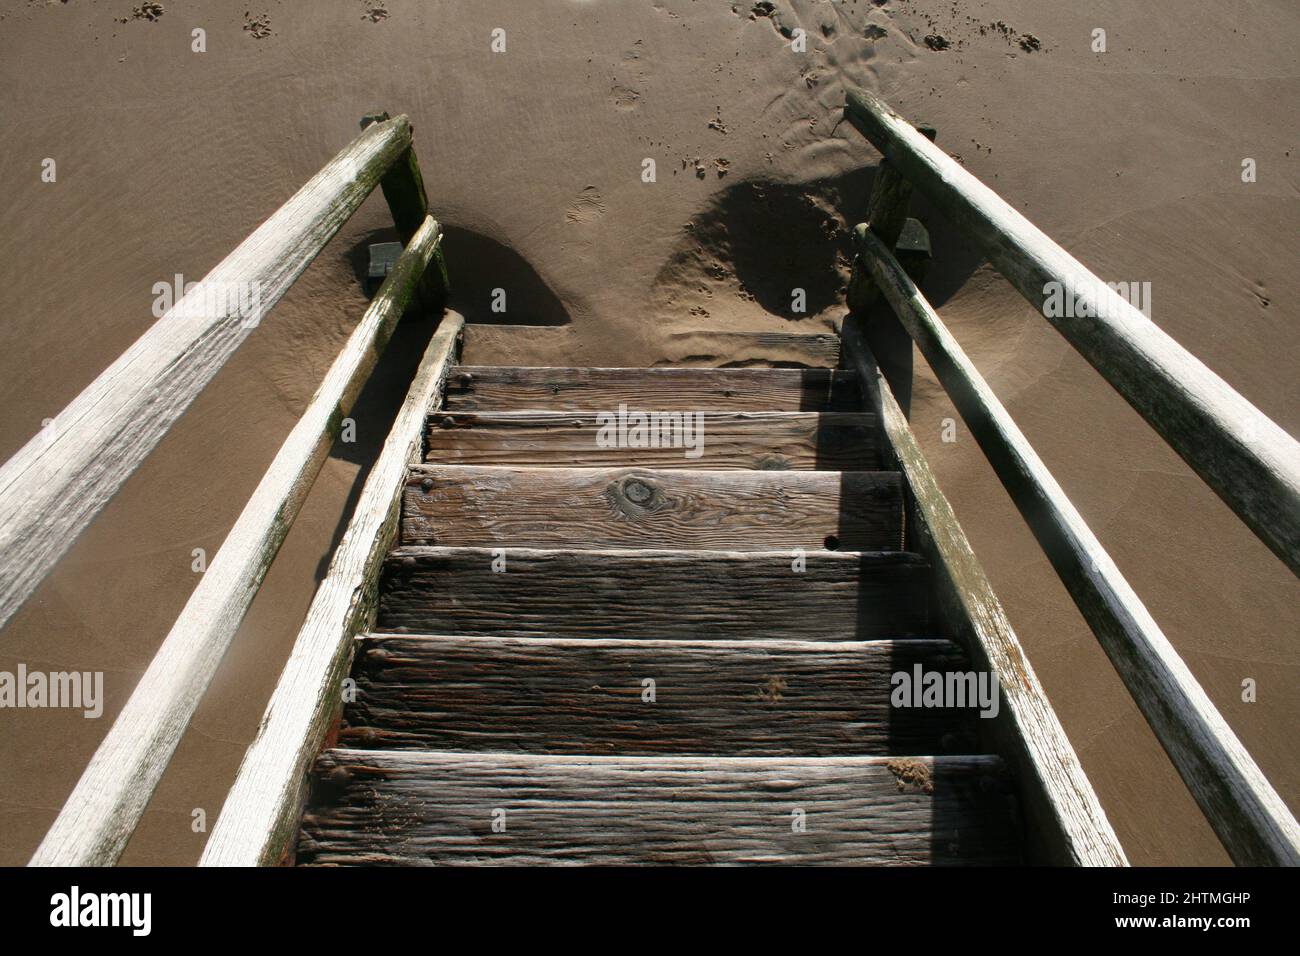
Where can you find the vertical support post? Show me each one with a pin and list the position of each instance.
(403, 188)
(887, 219)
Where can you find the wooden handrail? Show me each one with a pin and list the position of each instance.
(258, 822)
(1249, 461)
(1245, 811)
(56, 483)
(1060, 806)
(99, 817)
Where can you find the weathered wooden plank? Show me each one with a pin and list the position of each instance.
(1249, 816)
(576, 696)
(404, 808)
(259, 819)
(1249, 461)
(839, 596)
(489, 388)
(473, 506)
(104, 808)
(56, 483)
(809, 441)
(1064, 818)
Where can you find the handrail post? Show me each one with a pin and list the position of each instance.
(891, 195)
(403, 188)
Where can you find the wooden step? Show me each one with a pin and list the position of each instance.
(575, 696)
(493, 388)
(453, 505)
(414, 808)
(808, 441)
(839, 596)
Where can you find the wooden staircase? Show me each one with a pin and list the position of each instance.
(570, 650)
(590, 654)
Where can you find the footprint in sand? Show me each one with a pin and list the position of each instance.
(587, 207)
(625, 98)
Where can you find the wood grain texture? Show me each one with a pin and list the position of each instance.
(259, 818)
(489, 388)
(420, 809)
(108, 801)
(575, 696)
(56, 483)
(1245, 811)
(470, 506)
(808, 441)
(1249, 461)
(1063, 816)
(841, 596)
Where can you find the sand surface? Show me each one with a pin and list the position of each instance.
(167, 158)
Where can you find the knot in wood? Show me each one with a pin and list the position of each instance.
(637, 491)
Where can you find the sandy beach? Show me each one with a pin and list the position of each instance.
(533, 157)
